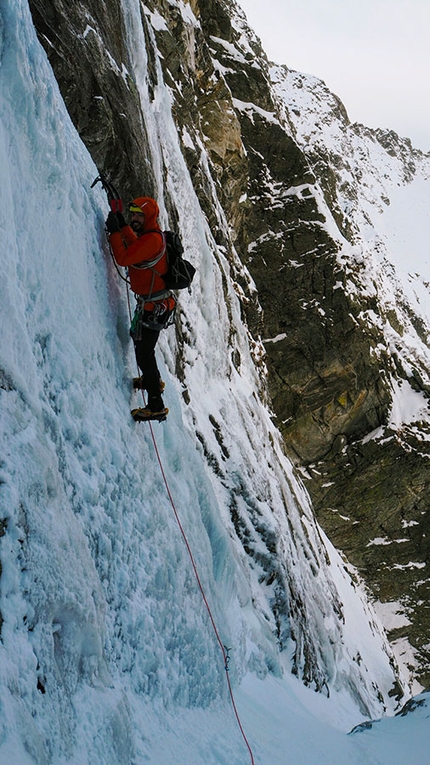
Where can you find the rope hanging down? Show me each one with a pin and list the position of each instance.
(224, 650)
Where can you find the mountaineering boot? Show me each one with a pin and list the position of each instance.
(138, 384)
(144, 414)
(154, 410)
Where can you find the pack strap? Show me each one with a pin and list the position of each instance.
(152, 263)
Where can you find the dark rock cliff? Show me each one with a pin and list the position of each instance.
(329, 365)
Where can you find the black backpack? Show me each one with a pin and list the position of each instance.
(180, 272)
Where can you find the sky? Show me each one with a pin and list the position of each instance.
(374, 54)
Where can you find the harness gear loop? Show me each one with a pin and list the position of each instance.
(150, 314)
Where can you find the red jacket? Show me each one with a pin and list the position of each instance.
(133, 251)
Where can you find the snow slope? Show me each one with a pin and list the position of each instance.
(107, 653)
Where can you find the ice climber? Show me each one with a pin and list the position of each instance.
(141, 247)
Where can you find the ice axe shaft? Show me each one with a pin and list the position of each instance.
(114, 199)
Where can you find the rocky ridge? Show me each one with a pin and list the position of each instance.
(285, 198)
(370, 493)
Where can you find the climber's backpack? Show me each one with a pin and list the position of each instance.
(180, 272)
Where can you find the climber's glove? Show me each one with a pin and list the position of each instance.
(112, 223)
(121, 220)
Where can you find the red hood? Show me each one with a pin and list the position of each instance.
(150, 210)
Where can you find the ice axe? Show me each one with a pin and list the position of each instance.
(114, 198)
(115, 203)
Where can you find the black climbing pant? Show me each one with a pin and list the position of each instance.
(145, 356)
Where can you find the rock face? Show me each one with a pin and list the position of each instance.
(87, 48)
(292, 175)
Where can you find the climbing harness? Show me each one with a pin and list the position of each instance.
(155, 314)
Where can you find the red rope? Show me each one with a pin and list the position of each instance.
(224, 651)
(196, 573)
